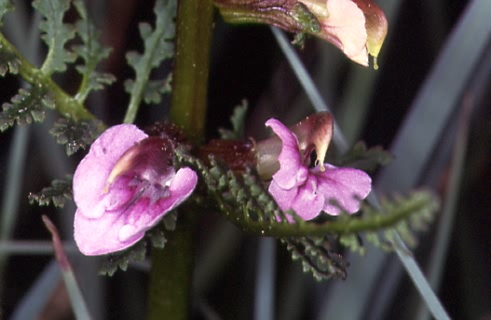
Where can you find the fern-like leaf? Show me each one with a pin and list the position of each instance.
(92, 53)
(153, 91)
(9, 62)
(418, 208)
(244, 200)
(74, 135)
(157, 48)
(55, 34)
(318, 255)
(122, 259)
(419, 221)
(25, 107)
(57, 193)
(238, 123)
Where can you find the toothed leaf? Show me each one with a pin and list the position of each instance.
(153, 91)
(57, 193)
(238, 123)
(169, 221)
(74, 135)
(92, 53)
(122, 259)
(25, 107)
(55, 34)
(9, 62)
(318, 256)
(418, 208)
(157, 47)
(157, 237)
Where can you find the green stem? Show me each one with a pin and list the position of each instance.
(190, 83)
(136, 96)
(377, 222)
(351, 226)
(64, 103)
(171, 277)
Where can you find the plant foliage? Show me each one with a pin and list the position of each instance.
(92, 53)
(238, 123)
(57, 193)
(25, 107)
(74, 135)
(243, 200)
(123, 258)
(318, 255)
(157, 48)
(55, 34)
(9, 62)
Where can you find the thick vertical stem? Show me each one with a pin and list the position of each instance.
(171, 276)
(190, 82)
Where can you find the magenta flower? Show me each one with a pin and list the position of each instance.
(309, 191)
(123, 187)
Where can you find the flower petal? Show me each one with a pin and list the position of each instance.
(180, 188)
(346, 186)
(376, 25)
(315, 130)
(346, 22)
(101, 235)
(308, 203)
(93, 171)
(292, 172)
(342, 24)
(115, 231)
(283, 197)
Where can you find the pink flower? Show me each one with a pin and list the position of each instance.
(123, 187)
(309, 191)
(343, 24)
(357, 27)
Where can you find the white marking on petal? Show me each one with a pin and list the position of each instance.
(126, 232)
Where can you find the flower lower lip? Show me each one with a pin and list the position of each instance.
(143, 189)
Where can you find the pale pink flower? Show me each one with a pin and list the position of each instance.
(123, 187)
(356, 27)
(343, 24)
